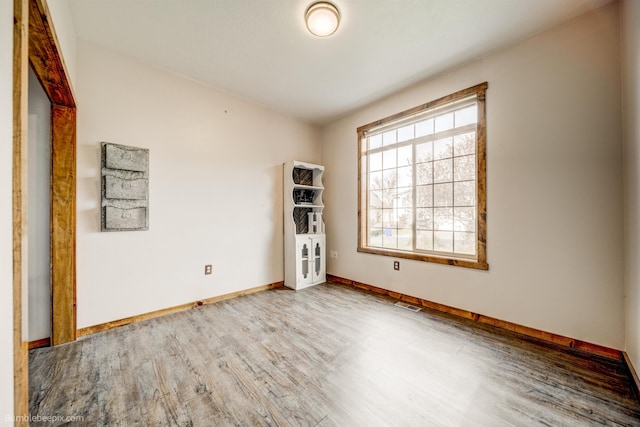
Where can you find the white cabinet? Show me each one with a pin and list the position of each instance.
(304, 238)
(310, 259)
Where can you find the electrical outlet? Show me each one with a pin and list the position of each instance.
(208, 269)
(333, 254)
(396, 265)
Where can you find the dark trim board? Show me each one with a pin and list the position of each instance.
(43, 342)
(140, 317)
(502, 324)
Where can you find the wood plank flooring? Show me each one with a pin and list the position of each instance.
(329, 355)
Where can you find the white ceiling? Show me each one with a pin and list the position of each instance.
(260, 49)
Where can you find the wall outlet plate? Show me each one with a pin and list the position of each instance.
(208, 269)
(396, 265)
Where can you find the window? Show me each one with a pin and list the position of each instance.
(422, 182)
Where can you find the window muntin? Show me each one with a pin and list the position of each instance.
(422, 182)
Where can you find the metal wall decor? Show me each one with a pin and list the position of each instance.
(125, 188)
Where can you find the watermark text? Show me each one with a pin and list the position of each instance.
(44, 418)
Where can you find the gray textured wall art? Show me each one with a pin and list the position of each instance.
(125, 188)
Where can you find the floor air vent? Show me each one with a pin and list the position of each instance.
(408, 306)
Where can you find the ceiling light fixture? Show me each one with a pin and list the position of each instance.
(322, 18)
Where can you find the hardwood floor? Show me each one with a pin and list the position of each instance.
(328, 355)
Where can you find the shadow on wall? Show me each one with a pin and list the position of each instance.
(276, 245)
(89, 207)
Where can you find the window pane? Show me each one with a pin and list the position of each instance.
(405, 155)
(466, 116)
(444, 122)
(424, 173)
(465, 144)
(390, 179)
(424, 218)
(424, 152)
(465, 243)
(443, 194)
(389, 198)
(375, 141)
(375, 162)
(405, 176)
(405, 197)
(464, 193)
(375, 237)
(375, 199)
(375, 218)
(375, 180)
(443, 241)
(424, 128)
(443, 170)
(424, 196)
(405, 133)
(390, 238)
(389, 218)
(405, 239)
(443, 219)
(464, 168)
(464, 219)
(443, 148)
(424, 240)
(405, 218)
(389, 159)
(389, 138)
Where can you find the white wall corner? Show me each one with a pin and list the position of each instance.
(630, 48)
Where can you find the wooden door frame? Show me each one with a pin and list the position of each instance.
(35, 42)
(48, 66)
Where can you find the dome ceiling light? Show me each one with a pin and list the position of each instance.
(322, 18)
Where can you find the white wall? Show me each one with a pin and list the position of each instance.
(630, 36)
(555, 239)
(6, 221)
(215, 188)
(39, 170)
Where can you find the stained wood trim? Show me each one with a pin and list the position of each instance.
(481, 189)
(49, 68)
(45, 58)
(502, 324)
(482, 87)
(19, 200)
(63, 224)
(635, 383)
(456, 262)
(140, 317)
(43, 342)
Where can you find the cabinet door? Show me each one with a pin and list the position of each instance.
(318, 259)
(304, 261)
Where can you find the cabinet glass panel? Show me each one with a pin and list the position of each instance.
(317, 258)
(304, 259)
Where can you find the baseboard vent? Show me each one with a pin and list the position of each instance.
(408, 306)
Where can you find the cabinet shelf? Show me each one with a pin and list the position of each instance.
(306, 187)
(304, 205)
